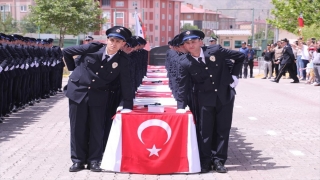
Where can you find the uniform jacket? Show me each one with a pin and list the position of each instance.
(211, 80)
(94, 76)
(287, 55)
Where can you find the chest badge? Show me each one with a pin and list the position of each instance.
(212, 58)
(114, 65)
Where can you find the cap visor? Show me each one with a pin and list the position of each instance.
(116, 36)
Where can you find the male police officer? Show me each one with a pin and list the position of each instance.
(87, 90)
(214, 86)
(213, 40)
(287, 62)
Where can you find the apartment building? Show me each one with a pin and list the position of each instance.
(16, 8)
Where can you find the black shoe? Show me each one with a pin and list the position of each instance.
(31, 103)
(264, 78)
(219, 167)
(240, 77)
(94, 167)
(251, 77)
(14, 109)
(6, 115)
(206, 167)
(76, 167)
(47, 96)
(295, 82)
(43, 97)
(38, 100)
(59, 90)
(274, 81)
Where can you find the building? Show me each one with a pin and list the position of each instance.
(231, 39)
(16, 8)
(206, 20)
(259, 25)
(161, 18)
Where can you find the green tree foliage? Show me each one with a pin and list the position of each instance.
(7, 24)
(311, 32)
(69, 16)
(188, 26)
(286, 13)
(27, 26)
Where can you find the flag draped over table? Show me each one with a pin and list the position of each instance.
(138, 27)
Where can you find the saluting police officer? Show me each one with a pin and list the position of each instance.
(87, 90)
(287, 63)
(207, 69)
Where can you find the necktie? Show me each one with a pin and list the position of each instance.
(106, 57)
(200, 61)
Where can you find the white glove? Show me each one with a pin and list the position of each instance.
(17, 66)
(37, 64)
(27, 66)
(181, 111)
(235, 81)
(22, 66)
(32, 64)
(125, 111)
(11, 67)
(1, 69)
(70, 72)
(53, 64)
(6, 69)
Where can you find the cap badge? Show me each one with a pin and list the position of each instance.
(118, 30)
(212, 58)
(188, 32)
(114, 65)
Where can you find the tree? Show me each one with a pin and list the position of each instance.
(286, 13)
(7, 24)
(27, 26)
(69, 16)
(188, 26)
(311, 32)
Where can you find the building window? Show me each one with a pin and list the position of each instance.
(119, 3)
(177, 6)
(157, 5)
(163, 28)
(157, 16)
(169, 5)
(4, 8)
(162, 39)
(237, 44)
(105, 2)
(163, 16)
(169, 38)
(176, 17)
(169, 28)
(119, 15)
(169, 17)
(23, 8)
(155, 38)
(188, 17)
(163, 5)
(226, 43)
(156, 27)
(134, 4)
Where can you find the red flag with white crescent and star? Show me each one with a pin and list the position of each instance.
(159, 144)
(300, 20)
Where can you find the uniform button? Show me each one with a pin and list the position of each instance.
(101, 66)
(89, 87)
(216, 64)
(210, 75)
(93, 80)
(97, 73)
(215, 90)
(212, 82)
(111, 72)
(206, 67)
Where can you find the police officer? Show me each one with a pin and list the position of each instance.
(87, 91)
(214, 85)
(213, 40)
(287, 63)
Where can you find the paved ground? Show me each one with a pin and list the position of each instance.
(275, 135)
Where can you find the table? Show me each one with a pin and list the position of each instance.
(152, 143)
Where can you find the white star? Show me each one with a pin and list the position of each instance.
(154, 151)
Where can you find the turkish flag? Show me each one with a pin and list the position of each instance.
(300, 21)
(154, 144)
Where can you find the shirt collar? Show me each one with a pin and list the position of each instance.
(106, 53)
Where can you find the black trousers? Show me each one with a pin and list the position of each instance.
(213, 130)
(287, 67)
(250, 63)
(86, 128)
(276, 69)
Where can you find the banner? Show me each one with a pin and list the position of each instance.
(138, 27)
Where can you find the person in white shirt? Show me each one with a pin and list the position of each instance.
(305, 60)
(316, 65)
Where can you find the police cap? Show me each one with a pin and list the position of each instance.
(119, 32)
(212, 39)
(88, 38)
(285, 40)
(189, 35)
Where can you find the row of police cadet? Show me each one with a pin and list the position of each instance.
(30, 70)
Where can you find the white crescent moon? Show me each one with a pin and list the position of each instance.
(154, 122)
